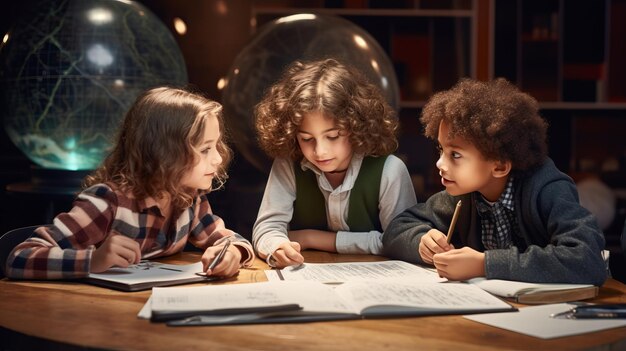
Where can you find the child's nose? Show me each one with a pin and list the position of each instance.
(217, 160)
(440, 163)
(320, 148)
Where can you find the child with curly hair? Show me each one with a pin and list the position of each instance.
(147, 199)
(520, 217)
(334, 185)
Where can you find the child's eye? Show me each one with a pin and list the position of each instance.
(455, 154)
(205, 151)
(333, 137)
(306, 140)
(439, 149)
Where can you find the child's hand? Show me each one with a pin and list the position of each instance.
(116, 250)
(228, 266)
(432, 243)
(287, 254)
(462, 264)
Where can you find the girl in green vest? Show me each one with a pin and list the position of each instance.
(334, 185)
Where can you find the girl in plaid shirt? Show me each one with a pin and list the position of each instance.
(147, 199)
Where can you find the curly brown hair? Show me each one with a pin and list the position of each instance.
(155, 144)
(334, 89)
(502, 122)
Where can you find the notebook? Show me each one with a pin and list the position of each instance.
(147, 274)
(533, 293)
(309, 301)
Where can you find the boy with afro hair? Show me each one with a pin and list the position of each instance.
(520, 217)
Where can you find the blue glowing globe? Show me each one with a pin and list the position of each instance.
(304, 37)
(69, 71)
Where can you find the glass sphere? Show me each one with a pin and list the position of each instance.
(301, 37)
(69, 71)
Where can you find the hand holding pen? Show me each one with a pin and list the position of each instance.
(225, 263)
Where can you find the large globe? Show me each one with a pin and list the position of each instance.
(69, 70)
(277, 44)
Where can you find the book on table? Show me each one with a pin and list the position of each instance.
(309, 301)
(536, 293)
(148, 274)
(521, 292)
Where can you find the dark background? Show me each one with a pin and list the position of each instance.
(586, 132)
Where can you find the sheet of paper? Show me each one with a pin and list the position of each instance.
(427, 296)
(535, 321)
(356, 271)
(318, 297)
(146, 310)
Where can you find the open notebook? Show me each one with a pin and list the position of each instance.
(307, 301)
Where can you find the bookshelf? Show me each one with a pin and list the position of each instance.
(569, 55)
(563, 52)
(430, 43)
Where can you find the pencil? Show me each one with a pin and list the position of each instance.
(455, 216)
(219, 256)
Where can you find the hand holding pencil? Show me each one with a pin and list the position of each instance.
(435, 242)
(222, 260)
(458, 264)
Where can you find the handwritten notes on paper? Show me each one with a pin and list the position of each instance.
(356, 271)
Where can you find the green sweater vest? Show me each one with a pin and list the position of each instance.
(309, 208)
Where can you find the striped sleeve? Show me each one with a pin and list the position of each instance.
(63, 250)
(209, 229)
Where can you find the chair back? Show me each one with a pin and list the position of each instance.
(10, 240)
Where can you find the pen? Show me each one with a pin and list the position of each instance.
(593, 312)
(455, 216)
(219, 256)
(170, 269)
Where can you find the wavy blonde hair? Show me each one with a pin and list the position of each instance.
(335, 90)
(155, 144)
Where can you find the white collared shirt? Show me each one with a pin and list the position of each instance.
(270, 230)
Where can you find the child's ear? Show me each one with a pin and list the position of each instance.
(501, 168)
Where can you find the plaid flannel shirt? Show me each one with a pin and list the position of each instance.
(498, 220)
(64, 250)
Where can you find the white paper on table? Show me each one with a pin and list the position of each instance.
(536, 321)
(356, 271)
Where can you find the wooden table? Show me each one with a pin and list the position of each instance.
(75, 315)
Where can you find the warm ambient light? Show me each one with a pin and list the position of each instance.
(221, 84)
(5, 38)
(360, 41)
(221, 7)
(298, 17)
(180, 26)
(375, 66)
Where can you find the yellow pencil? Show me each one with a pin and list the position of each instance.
(455, 216)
